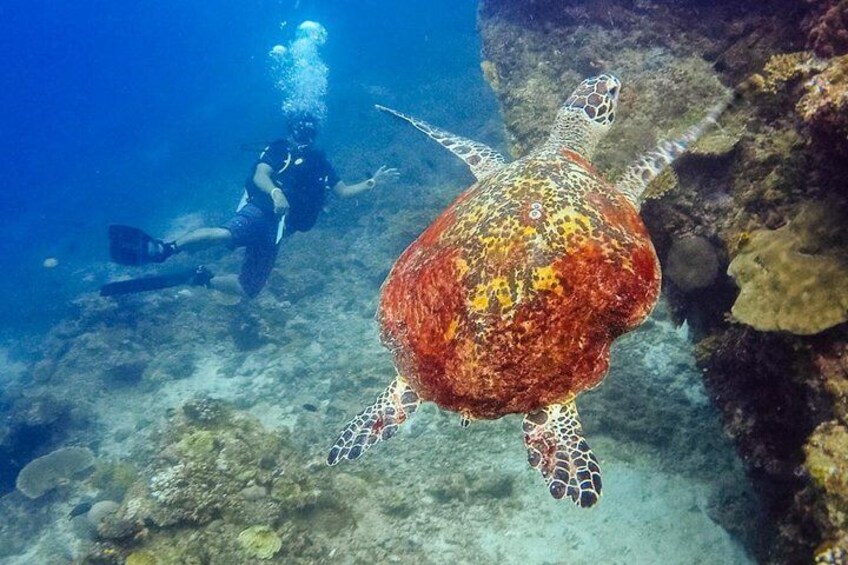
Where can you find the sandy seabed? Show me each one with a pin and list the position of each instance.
(438, 493)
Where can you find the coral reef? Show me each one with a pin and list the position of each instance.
(218, 471)
(141, 558)
(832, 364)
(49, 471)
(692, 263)
(794, 278)
(826, 453)
(35, 423)
(827, 27)
(826, 458)
(824, 104)
(739, 199)
(260, 542)
(780, 69)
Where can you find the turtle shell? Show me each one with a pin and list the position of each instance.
(510, 300)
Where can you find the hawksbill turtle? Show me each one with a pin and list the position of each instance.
(509, 301)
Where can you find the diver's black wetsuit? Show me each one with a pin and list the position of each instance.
(304, 175)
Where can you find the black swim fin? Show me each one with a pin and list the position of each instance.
(199, 276)
(131, 246)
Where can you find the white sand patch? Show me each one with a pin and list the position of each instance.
(644, 516)
(125, 411)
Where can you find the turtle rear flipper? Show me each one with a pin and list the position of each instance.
(379, 421)
(556, 448)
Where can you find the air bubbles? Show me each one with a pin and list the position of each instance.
(312, 31)
(299, 73)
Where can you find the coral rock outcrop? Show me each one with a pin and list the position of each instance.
(746, 199)
(794, 278)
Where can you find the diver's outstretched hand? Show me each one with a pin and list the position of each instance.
(385, 174)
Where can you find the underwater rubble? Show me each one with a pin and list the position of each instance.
(766, 202)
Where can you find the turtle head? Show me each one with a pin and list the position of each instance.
(587, 115)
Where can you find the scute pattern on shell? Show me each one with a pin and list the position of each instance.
(509, 301)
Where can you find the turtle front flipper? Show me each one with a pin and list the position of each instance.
(636, 178)
(379, 421)
(480, 158)
(556, 447)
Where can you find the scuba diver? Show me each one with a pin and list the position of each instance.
(284, 194)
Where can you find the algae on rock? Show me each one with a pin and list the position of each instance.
(794, 278)
(827, 463)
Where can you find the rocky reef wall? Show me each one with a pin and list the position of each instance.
(763, 196)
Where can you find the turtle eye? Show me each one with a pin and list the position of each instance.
(613, 91)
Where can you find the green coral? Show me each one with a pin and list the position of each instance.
(141, 558)
(665, 182)
(827, 458)
(794, 278)
(825, 100)
(114, 478)
(197, 445)
(782, 68)
(833, 552)
(260, 542)
(826, 454)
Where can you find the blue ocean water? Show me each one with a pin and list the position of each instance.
(125, 112)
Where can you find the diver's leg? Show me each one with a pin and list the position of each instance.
(258, 263)
(203, 238)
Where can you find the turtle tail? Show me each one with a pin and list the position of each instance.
(636, 178)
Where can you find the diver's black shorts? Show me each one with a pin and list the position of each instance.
(256, 231)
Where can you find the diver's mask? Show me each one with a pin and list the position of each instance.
(304, 130)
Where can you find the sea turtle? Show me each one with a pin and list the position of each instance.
(509, 301)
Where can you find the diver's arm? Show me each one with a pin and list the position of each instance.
(383, 175)
(262, 180)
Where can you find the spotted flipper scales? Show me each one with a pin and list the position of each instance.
(480, 158)
(556, 448)
(378, 422)
(636, 178)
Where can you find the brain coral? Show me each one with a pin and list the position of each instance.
(260, 542)
(45, 473)
(794, 278)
